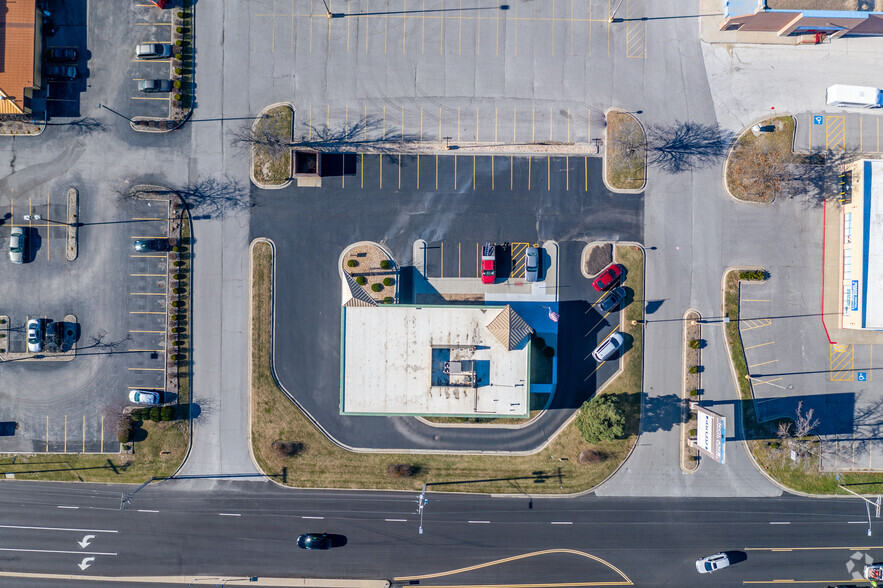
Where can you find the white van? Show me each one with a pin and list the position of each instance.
(853, 96)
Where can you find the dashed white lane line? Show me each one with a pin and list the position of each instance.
(146, 510)
(479, 522)
(780, 522)
(61, 528)
(57, 551)
(562, 522)
(71, 507)
(856, 522)
(317, 518)
(229, 514)
(397, 520)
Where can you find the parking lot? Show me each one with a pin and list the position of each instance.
(118, 298)
(463, 260)
(833, 380)
(847, 131)
(70, 25)
(151, 25)
(467, 70)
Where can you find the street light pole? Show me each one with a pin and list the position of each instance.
(421, 502)
(114, 111)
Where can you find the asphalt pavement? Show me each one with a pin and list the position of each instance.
(242, 529)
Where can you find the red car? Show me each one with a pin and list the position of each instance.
(608, 277)
(488, 264)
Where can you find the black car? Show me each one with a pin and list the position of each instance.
(143, 245)
(314, 541)
(614, 299)
(63, 54)
(54, 71)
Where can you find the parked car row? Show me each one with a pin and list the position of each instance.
(607, 279)
(44, 330)
(154, 51)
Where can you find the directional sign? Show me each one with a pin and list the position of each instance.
(862, 376)
(817, 120)
(87, 561)
(86, 541)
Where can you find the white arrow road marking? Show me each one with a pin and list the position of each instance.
(87, 561)
(86, 541)
(56, 551)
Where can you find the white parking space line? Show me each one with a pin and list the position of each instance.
(780, 522)
(562, 522)
(229, 514)
(396, 520)
(317, 518)
(71, 507)
(146, 510)
(479, 522)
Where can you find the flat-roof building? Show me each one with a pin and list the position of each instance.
(861, 266)
(434, 361)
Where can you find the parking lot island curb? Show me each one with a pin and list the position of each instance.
(210, 580)
(685, 394)
(73, 223)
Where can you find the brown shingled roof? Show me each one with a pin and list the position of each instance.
(18, 21)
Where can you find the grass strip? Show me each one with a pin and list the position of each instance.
(316, 462)
(626, 155)
(269, 168)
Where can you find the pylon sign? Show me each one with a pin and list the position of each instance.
(711, 434)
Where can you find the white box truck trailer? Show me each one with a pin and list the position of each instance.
(853, 96)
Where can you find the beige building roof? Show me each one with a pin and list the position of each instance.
(18, 23)
(509, 328)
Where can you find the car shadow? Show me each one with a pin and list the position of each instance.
(736, 557)
(337, 540)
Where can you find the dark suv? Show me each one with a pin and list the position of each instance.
(57, 71)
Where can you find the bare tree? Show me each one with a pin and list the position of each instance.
(797, 437)
(270, 137)
(760, 170)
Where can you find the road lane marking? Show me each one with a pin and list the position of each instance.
(146, 510)
(397, 520)
(71, 507)
(56, 551)
(479, 522)
(230, 514)
(58, 529)
(317, 518)
(561, 522)
(780, 522)
(626, 580)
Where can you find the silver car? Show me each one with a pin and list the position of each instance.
(17, 245)
(35, 337)
(153, 50)
(608, 347)
(532, 264)
(155, 86)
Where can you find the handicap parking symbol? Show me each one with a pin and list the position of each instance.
(862, 377)
(817, 120)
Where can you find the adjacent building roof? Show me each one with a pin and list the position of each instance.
(18, 21)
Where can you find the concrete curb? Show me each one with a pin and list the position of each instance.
(733, 148)
(685, 397)
(342, 272)
(604, 157)
(209, 580)
(73, 217)
(582, 256)
(251, 167)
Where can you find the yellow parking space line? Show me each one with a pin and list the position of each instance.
(166, 98)
(517, 251)
(133, 255)
(148, 237)
(759, 382)
(442, 259)
(871, 364)
(764, 363)
(459, 259)
(842, 359)
(65, 433)
(102, 433)
(146, 312)
(147, 369)
(145, 388)
(760, 345)
(47, 432)
(148, 275)
(149, 350)
(835, 132)
(149, 218)
(477, 260)
(152, 60)
(163, 332)
(754, 324)
(840, 347)
(147, 293)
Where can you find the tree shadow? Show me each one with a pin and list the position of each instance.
(682, 146)
(215, 196)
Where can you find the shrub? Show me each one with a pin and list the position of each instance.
(174, 357)
(361, 280)
(694, 393)
(692, 432)
(352, 263)
(178, 43)
(178, 71)
(167, 413)
(176, 84)
(176, 290)
(174, 329)
(600, 419)
(694, 369)
(752, 275)
(388, 300)
(401, 470)
(180, 14)
(179, 276)
(176, 303)
(384, 264)
(178, 97)
(540, 342)
(178, 263)
(549, 352)
(775, 445)
(694, 343)
(387, 281)
(155, 414)
(124, 436)
(175, 317)
(137, 415)
(176, 249)
(286, 448)
(376, 287)
(179, 29)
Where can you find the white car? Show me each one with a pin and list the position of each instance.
(608, 347)
(712, 563)
(146, 397)
(17, 245)
(35, 337)
(153, 50)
